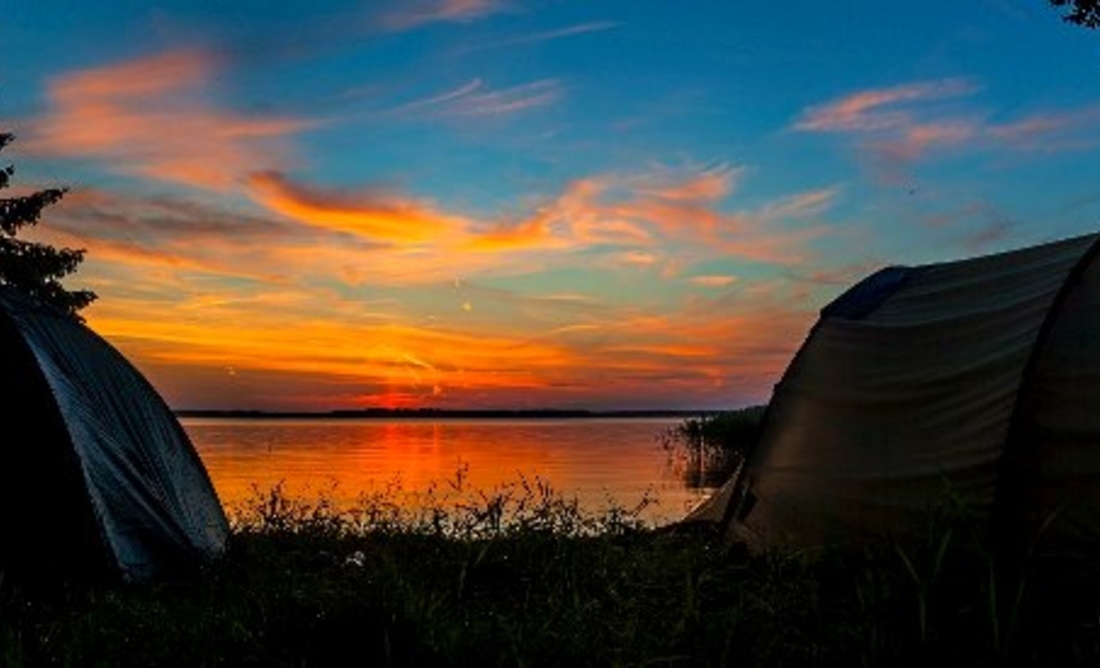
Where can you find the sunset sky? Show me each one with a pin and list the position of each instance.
(528, 203)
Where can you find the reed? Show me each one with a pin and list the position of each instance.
(705, 450)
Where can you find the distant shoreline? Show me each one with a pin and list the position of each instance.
(436, 413)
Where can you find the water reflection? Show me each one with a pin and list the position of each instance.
(603, 463)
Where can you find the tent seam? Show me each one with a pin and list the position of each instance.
(1010, 470)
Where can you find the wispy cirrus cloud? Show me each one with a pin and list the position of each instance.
(550, 35)
(666, 208)
(898, 125)
(439, 99)
(880, 108)
(616, 210)
(508, 100)
(417, 13)
(800, 205)
(914, 140)
(659, 201)
(1050, 130)
(708, 185)
(474, 99)
(154, 117)
(774, 233)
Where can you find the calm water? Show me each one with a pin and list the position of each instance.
(600, 462)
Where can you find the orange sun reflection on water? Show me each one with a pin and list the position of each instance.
(599, 462)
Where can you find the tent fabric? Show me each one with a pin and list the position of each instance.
(868, 294)
(977, 379)
(92, 437)
(1061, 420)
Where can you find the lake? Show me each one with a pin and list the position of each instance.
(602, 462)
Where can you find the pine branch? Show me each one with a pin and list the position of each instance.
(36, 269)
(1084, 13)
(17, 212)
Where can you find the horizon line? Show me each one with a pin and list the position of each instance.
(446, 412)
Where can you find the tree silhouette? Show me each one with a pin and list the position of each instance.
(36, 269)
(1080, 12)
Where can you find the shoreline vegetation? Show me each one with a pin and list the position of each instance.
(710, 446)
(522, 576)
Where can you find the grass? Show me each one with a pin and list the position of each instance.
(522, 577)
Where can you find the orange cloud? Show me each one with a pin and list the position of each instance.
(136, 80)
(259, 336)
(374, 237)
(151, 117)
(735, 346)
(738, 348)
(225, 344)
(355, 312)
(624, 211)
(713, 280)
(380, 217)
(533, 233)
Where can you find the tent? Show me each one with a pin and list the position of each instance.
(97, 477)
(975, 381)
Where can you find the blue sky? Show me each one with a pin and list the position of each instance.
(516, 203)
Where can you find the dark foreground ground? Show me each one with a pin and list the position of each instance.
(525, 579)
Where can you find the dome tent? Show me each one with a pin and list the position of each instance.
(97, 477)
(978, 378)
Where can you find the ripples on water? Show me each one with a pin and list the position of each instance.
(601, 462)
